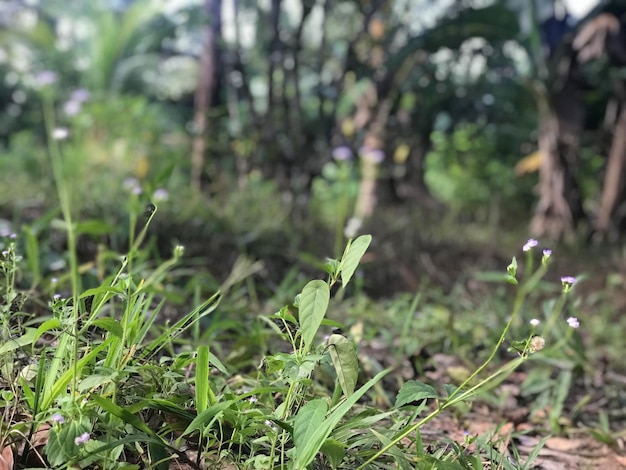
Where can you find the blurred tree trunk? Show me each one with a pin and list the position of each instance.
(207, 84)
(613, 188)
(561, 123)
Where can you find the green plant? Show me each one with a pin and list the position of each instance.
(527, 349)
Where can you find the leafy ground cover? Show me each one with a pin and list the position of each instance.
(211, 333)
(510, 369)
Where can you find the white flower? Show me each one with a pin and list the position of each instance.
(60, 133)
(531, 243)
(573, 322)
(534, 322)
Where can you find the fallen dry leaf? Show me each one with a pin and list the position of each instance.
(6, 458)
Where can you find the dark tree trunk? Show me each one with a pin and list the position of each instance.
(562, 117)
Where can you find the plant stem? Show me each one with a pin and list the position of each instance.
(64, 192)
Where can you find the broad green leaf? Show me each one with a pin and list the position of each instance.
(344, 357)
(450, 389)
(130, 418)
(159, 456)
(308, 420)
(305, 454)
(352, 257)
(46, 326)
(334, 452)
(109, 324)
(414, 391)
(93, 381)
(12, 344)
(61, 447)
(313, 304)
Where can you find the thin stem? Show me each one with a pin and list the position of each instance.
(63, 192)
(459, 394)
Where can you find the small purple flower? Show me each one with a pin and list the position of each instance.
(160, 195)
(531, 243)
(132, 185)
(56, 296)
(342, 153)
(374, 155)
(58, 418)
(45, 78)
(567, 282)
(83, 438)
(71, 107)
(573, 322)
(271, 425)
(253, 399)
(547, 253)
(80, 95)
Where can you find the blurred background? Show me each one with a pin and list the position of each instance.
(451, 130)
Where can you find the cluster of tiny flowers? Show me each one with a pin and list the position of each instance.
(537, 343)
(531, 243)
(160, 195)
(567, 282)
(253, 399)
(376, 156)
(342, 153)
(6, 232)
(58, 418)
(83, 438)
(132, 185)
(271, 425)
(45, 78)
(73, 106)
